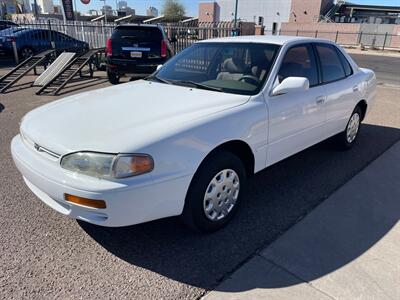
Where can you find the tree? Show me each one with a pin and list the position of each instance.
(173, 10)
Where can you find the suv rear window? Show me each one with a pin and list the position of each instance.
(137, 33)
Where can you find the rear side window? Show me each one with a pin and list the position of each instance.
(299, 61)
(346, 65)
(137, 34)
(331, 66)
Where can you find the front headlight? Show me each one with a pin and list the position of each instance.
(108, 165)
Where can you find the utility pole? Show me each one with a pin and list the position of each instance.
(35, 9)
(104, 10)
(235, 31)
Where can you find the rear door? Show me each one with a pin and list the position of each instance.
(137, 43)
(341, 87)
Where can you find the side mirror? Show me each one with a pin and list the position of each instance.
(290, 85)
(158, 67)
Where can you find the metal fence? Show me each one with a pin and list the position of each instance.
(380, 41)
(95, 35)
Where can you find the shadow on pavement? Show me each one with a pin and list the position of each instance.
(278, 197)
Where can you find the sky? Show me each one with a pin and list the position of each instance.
(191, 5)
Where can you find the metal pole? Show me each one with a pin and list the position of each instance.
(236, 11)
(35, 11)
(384, 41)
(14, 45)
(76, 11)
(337, 33)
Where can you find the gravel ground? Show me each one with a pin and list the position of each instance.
(46, 255)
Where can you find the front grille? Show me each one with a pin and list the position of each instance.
(31, 144)
(44, 150)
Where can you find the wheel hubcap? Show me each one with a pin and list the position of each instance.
(352, 128)
(27, 53)
(221, 195)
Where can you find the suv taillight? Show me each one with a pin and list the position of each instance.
(163, 49)
(109, 47)
(11, 39)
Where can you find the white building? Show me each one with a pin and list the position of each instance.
(270, 13)
(122, 5)
(107, 10)
(152, 11)
(46, 6)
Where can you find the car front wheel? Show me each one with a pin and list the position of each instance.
(215, 192)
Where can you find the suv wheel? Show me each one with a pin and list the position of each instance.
(112, 77)
(215, 192)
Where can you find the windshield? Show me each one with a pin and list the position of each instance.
(239, 68)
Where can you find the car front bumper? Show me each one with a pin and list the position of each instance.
(137, 200)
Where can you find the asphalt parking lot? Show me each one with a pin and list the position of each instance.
(46, 255)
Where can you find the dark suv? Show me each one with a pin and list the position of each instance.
(136, 50)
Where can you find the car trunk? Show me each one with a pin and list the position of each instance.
(136, 43)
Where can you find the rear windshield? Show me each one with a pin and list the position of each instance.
(137, 33)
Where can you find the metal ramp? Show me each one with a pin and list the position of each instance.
(70, 71)
(23, 68)
(55, 68)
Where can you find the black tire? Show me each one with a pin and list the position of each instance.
(26, 52)
(342, 140)
(112, 77)
(194, 215)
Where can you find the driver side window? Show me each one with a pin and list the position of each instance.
(299, 61)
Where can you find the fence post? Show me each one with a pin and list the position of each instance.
(337, 33)
(50, 34)
(316, 33)
(297, 32)
(359, 37)
(384, 41)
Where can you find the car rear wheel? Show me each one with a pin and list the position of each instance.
(26, 53)
(215, 192)
(112, 77)
(348, 137)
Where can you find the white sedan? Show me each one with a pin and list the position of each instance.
(184, 140)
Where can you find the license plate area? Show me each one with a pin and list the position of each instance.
(136, 54)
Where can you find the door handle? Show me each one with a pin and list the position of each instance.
(320, 100)
(355, 88)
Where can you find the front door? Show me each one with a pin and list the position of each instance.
(296, 120)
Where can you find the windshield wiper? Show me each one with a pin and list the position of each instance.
(158, 79)
(198, 85)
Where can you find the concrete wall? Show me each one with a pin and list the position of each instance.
(308, 11)
(395, 42)
(347, 33)
(209, 12)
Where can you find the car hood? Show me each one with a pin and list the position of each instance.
(121, 118)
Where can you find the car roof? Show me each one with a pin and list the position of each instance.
(139, 25)
(267, 39)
